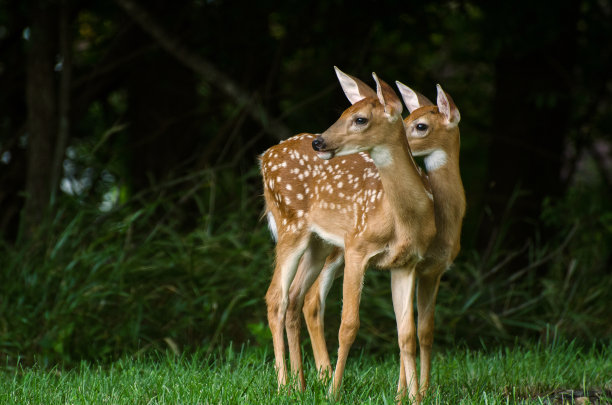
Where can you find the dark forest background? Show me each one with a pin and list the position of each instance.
(130, 198)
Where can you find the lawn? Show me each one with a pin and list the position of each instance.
(489, 376)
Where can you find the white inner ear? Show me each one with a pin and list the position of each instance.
(388, 106)
(409, 96)
(349, 86)
(379, 92)
(452, 117)
(443, 105)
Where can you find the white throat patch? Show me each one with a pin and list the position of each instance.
(381, 156)
(435, 160)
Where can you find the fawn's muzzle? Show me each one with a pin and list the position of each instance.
(318, 144)
(320, 147)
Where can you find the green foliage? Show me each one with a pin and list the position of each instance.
(126, 267)
(584, 263)
(247, 376)
(188, 270)
(560, 284)
(96, 285)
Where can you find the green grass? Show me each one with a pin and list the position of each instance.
(460, 376)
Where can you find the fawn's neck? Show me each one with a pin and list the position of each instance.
(449, 199)
(400, 178)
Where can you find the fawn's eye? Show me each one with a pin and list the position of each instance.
(421, 127)
(361, 121)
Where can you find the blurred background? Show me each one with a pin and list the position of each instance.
(130, 196)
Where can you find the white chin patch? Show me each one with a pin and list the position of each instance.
(325, 155)
(349, 150)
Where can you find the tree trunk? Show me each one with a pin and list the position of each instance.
(42, 122)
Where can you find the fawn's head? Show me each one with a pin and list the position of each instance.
(431, 129)
(368, 123)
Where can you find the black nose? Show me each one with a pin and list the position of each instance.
(318, 144)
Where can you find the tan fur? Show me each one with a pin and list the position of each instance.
(381, 216)
(449, 210)
(449, 202)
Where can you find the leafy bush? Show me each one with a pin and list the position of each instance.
(95, 285)
(561, 285)
(178, 270)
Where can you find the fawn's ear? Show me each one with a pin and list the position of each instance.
(354, 89)
(413, 99)
(387, 97)
(447, 107)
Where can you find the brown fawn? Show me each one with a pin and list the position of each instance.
(432, 132)
(377, 208)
